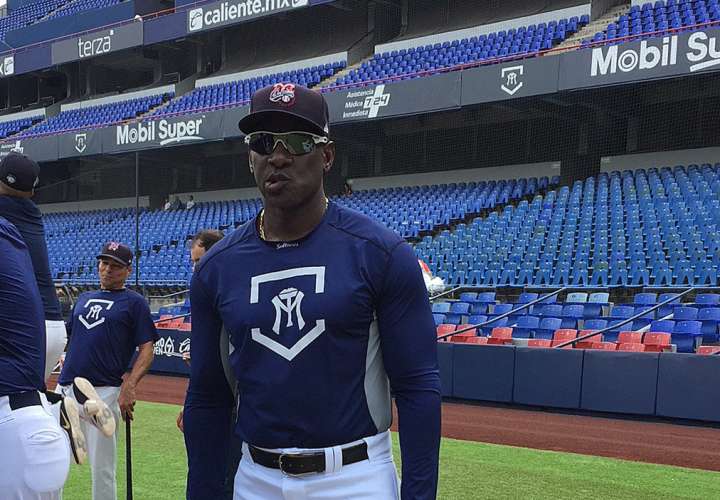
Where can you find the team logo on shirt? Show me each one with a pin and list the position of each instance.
(288, 310)
(94, 308)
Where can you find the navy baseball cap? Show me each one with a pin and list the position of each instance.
(19, 172)
(286, 107)
(118, 252)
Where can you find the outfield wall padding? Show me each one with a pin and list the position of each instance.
(446, 352)
(621, 382)
(548, 377)
(688, 386)
(483, 372)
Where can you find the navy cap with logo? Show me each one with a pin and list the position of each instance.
(118, 252)
(19, 172)
(286, 107)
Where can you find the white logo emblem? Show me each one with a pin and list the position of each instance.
(288, 302)
(283, 93)
(94, 307)
(195, 19)
(376, 101)
(8, 66)
(80, 142)
(510, 77)
(10, 178)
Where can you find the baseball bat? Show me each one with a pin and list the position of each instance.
(128, 460)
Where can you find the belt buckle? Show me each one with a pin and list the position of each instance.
(296, 455)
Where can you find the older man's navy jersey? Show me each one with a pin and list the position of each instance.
(26, 217)
(107, 326)
(22, 328)
(323, 329)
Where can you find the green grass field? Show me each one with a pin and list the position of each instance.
(468, 470)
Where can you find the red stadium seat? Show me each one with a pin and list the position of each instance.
(562, 336)
(631, 347)
(539, 343)
(476, 340)
(630, 338)
(657, 342)
(707, 350)
(164, 323)
(605, 346)
(500, 335)
(444, 329)
(587, 343)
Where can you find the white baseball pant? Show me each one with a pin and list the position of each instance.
(34, 456)
(372, 479)
(102, 450)
(55, 340)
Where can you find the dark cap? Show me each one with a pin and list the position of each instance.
(286, 107)
(118, 252)
(19, 172)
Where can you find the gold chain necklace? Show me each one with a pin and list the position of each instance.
(261, 221)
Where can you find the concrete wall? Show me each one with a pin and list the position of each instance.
(485, 29)
(24, 114)
(660, 159)
(548, 169)
(85, 206)
(118, 98)
(278, 68)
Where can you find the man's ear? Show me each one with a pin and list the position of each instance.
(328, 156)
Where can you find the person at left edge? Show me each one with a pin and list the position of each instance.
(34, 458)
(107, 325)
(19, 175)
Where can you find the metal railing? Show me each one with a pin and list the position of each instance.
(625, 321)
(504, 315)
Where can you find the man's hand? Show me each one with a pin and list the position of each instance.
(179, 421)
(126, 400)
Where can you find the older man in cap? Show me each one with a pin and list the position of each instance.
(327, 313)
(107, 326)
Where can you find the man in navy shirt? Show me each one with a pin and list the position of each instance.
(34, 460)
(19, 175)
(327, 313)
(107, 326)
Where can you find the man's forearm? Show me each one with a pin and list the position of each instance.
(142, 365)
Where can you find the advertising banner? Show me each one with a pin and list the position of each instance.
(406, 97)
(227, 12)
(97, 43)
(669, 56)
(80, 143)
(162, 132)
(522, 78)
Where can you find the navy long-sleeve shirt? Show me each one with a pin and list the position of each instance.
(26, 216)
(323, 329)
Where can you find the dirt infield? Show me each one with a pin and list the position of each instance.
(662, 443)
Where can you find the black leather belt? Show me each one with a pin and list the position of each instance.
(22, 399)
(295, 464)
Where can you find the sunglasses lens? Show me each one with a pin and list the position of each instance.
(299, 144)
(262, 143)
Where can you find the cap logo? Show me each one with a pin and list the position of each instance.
(112, 246)
(10, 178)
(283, 93)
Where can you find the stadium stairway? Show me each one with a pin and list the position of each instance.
(329, 82)
(598, 24)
